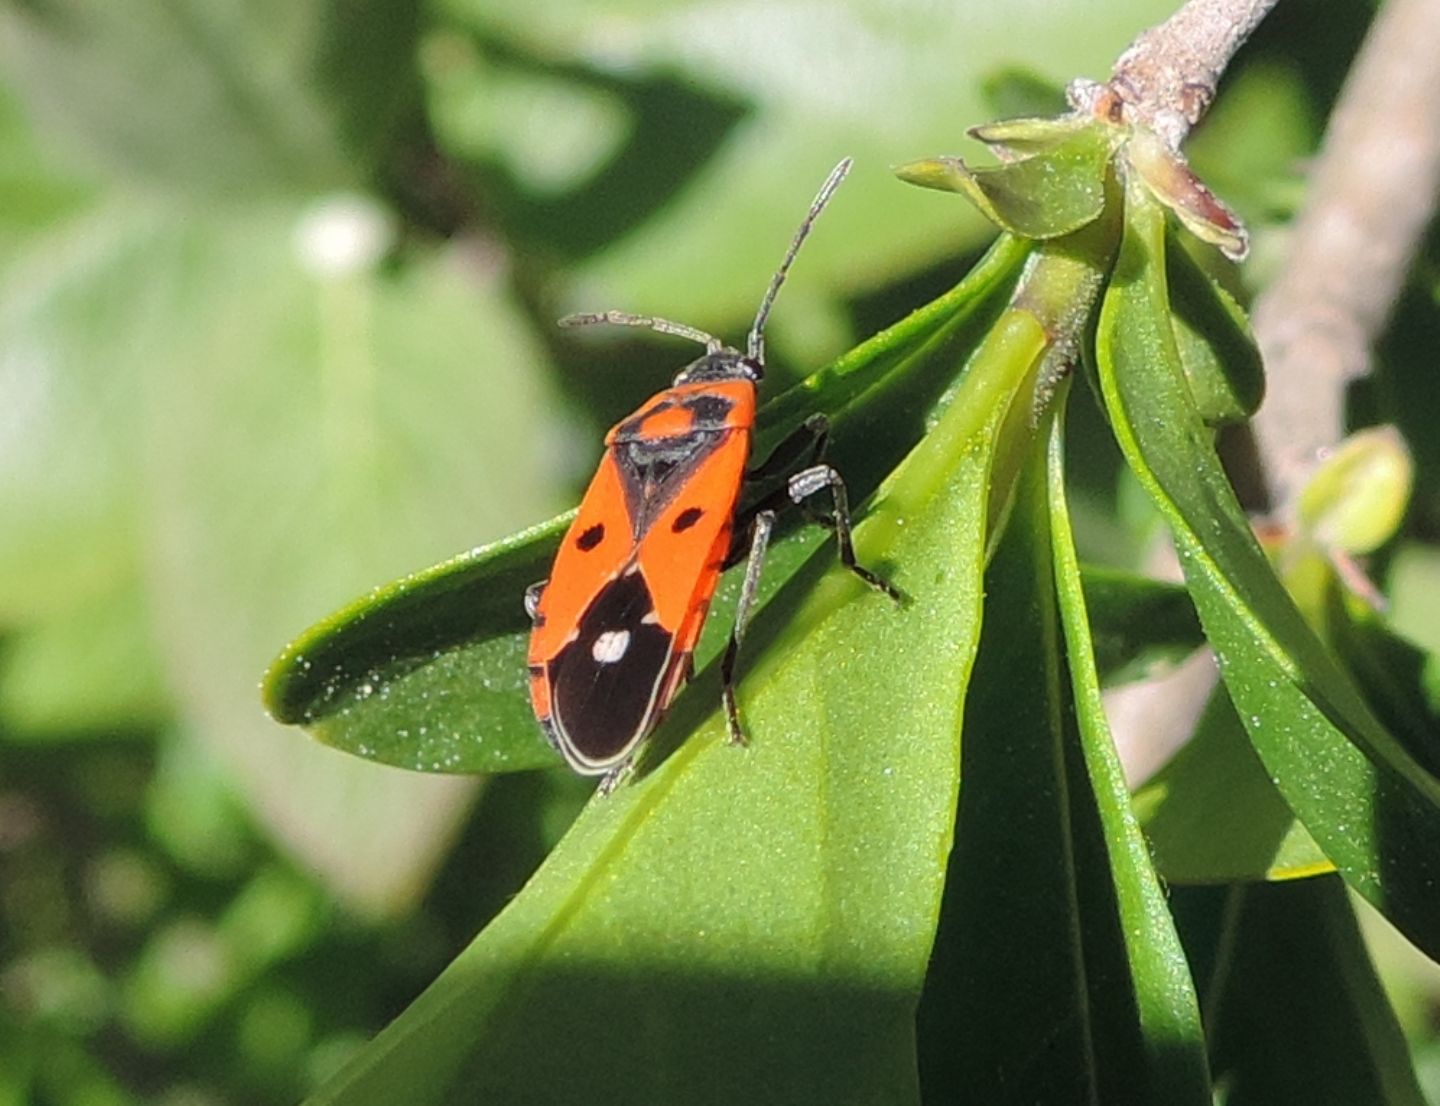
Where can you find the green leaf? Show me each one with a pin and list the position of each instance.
(1296, 1012)
(782, 960)
(1015, 92)
(1371, 807)
(1137, 625)
(1399, 677)
(1258, 838)
(215, 98)
(1007, 980)
(429, 673)
(1212, 334)
(1172, 1039)
(34, 191)
(1057, 976)
(1045, 195)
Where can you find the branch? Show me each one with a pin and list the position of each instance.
(1372, 192)
(1166, 79)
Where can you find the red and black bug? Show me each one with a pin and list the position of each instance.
(615, 626)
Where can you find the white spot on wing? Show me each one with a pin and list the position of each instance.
(610, 646)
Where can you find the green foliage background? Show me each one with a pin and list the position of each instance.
(210, 437)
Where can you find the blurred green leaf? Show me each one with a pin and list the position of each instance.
(1401, 680)
(429, 673)
(1414, 589)
(275, 916)
(1371, 807)
(1295, 982)
(35, 191)
(1014, 92)
(74, 315)
(784, 958)
(1137, 625)
(91, 669)
(211, 98)
(183, 976)
(781, 91)
(1356, 499)
(311, 430)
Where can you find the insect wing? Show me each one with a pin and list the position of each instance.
(682, 554)
(594, 550)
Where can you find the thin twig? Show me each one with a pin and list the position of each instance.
(1167, 77)
(1372, 191)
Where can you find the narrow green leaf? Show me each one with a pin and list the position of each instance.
(1056, 975)
(1296, 1014)
(1005, 1014)
(1212, 334)
(428, 673)
(1371, 807)
(781, 961)
(1167, 1011)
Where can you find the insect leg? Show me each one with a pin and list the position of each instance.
(760, 527)
(616, 776)
(817, 478)
(810, 436)
(532, 599)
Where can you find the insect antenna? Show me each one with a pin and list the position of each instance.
(664, 326)
(755, 344)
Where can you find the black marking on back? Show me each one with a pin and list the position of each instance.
(591, 538)
(634, 427)
(653, 467)
(686, 519)
(601, 708)
(710, 412)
